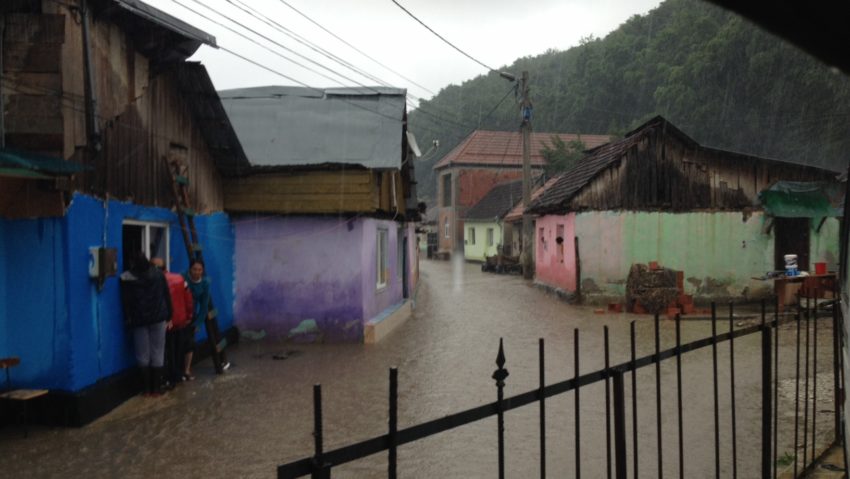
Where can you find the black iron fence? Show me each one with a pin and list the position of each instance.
(805, 318)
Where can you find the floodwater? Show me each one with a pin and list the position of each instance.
(259, 414)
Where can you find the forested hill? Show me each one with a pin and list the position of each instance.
(716, 76)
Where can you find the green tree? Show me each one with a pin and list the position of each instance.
(561, 156)
(718, 77)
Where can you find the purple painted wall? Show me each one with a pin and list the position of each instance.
(291, 269)
(294, 269)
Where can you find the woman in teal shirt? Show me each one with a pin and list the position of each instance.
(199, 285)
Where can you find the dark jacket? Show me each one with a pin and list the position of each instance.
(145, 297)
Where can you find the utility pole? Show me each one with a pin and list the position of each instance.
(527, 233)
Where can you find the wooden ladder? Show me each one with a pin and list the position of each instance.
(186, 215)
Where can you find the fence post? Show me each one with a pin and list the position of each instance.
(619, 424)
(393, 432)
(767, 408)
(320, 469)
(542, 392)
(500, 375)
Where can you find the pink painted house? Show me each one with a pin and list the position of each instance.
(555, 247)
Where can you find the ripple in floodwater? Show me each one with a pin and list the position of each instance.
(259, 415)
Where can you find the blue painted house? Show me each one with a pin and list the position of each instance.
(83, 167)
(325, 240)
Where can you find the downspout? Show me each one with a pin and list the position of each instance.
(2, 103)
(94, 147)
(91, 101)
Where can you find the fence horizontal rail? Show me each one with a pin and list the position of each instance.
(381, 443)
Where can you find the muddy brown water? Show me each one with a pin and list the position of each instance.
(259, 414)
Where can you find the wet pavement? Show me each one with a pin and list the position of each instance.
(259, 414)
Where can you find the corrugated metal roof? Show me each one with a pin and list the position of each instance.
(160, 36)
(165, 20)
(498, 201)
(291, 126)
(504, 148)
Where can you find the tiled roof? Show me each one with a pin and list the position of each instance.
(516, 213)
(498, 201)
(504, 148)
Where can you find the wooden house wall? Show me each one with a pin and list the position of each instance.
(141, 114)
(317, 192)
(665, 173)
(137, 143)
(32, 100)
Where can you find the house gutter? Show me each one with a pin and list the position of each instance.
(91, 101)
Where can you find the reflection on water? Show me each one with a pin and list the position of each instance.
(259, 415)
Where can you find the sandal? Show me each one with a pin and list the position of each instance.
(188, 377)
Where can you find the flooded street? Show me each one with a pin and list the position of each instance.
(259, 414)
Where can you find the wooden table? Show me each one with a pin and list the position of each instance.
(812, 286)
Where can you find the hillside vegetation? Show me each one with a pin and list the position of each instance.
(716, 76)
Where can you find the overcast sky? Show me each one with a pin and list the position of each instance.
(495, 32)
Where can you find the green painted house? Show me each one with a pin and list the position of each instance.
(658, 195)
(484, 227)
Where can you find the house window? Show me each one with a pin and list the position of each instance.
(447, 190)
(543, 238)
(489, 236)
(471, 235)
(446, 228)
(382, 257)
(149, 238)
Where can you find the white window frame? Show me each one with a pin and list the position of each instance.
(446, 229)
(382, 240)
(471, 235)
(147, 237)
(491, 234)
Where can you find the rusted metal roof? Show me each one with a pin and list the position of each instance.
(504, 148)
(498, 201)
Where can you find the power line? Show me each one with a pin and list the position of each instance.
(267, 39)
(354, 48)
(304, 41)
(467, 55)
(300, 39)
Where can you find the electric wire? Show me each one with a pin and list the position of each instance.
(253, 12)
(315, 47)
(467, 55)
(264, 46)
(354, 48)
(300, 39)
(290, 78)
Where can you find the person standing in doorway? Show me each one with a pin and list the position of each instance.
(179, 337)
(147, 309)
(199, 285)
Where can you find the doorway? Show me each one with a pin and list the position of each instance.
(792, 237)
